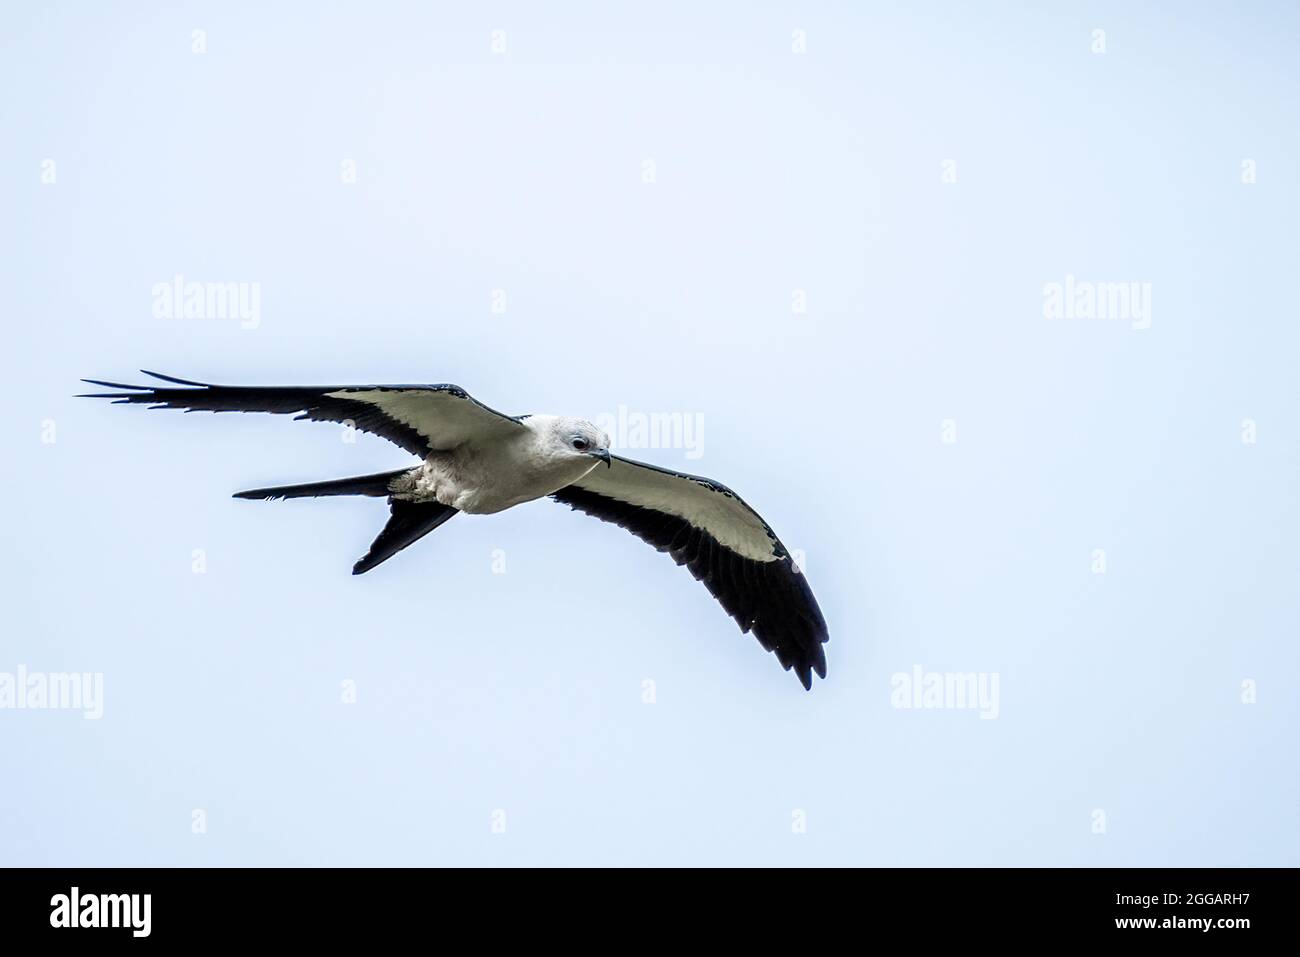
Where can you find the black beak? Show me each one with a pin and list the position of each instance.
(603, 455)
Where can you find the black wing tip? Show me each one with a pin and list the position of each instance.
(134, 392)
(116, 385)
(809, 664)
(819, 666)
(173, 379)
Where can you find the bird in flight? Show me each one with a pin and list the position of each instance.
(479, 461)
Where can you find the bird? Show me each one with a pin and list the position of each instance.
(478, 461)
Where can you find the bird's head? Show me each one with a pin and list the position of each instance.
(579, 438)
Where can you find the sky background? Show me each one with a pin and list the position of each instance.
(499, 665)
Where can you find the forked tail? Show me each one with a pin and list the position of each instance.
(408, 522)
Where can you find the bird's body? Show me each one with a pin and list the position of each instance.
(476, 460)
(483, 477)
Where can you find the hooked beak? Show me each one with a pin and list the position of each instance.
(603, 455)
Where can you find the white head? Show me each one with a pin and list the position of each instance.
(574, 439)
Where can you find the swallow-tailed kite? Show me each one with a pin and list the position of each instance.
(480, 461)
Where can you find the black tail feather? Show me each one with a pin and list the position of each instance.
(409, 522)
(375, 485)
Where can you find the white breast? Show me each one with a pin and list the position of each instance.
(482, 479)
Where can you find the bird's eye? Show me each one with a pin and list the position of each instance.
(581, 444)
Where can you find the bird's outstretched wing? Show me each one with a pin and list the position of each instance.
(419, 418)
(725, 544)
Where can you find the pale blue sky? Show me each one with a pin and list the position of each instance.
(774, 171)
